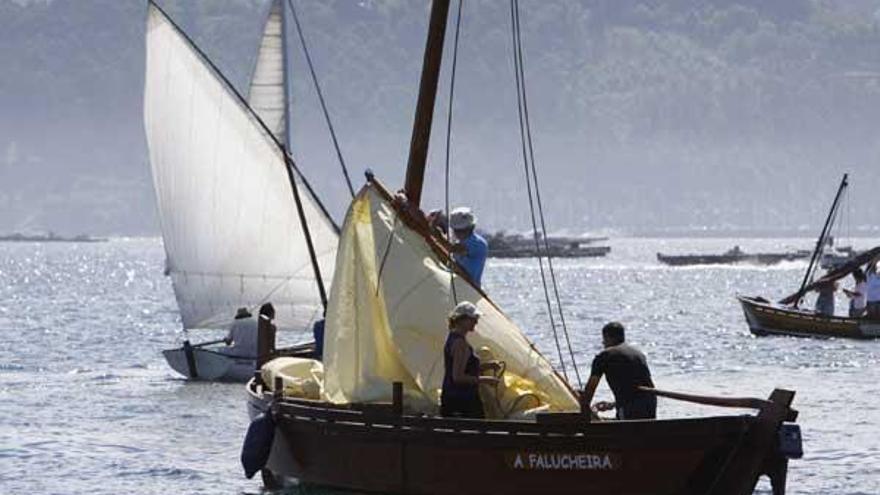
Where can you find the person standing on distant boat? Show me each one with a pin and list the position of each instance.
(825, 300)
(858, 297)
(242, 336)
(873, 291)
(625, 368)
(471, 249)
(460, 395)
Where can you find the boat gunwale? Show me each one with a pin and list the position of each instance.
(572, 425)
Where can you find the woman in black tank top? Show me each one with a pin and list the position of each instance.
(460, 395)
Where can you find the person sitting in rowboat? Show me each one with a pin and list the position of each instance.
(858, 297)
(626, 369)
(825, 300)
(471, 249)
(242, 337)
(460, 395)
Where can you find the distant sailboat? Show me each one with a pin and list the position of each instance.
(787, 318)
(240, 224)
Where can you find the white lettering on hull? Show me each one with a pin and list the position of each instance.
(564, 461)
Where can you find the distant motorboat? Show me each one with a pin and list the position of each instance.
(49, 237)
(503, 245)
(734, 255)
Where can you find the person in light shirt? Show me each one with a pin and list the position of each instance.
(858, 297)
(242, 337)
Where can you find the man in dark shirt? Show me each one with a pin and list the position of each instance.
(625, 368)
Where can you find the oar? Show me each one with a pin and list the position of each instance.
(743, 402)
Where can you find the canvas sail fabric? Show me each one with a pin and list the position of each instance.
(266, 95)
(392, 327)
(229, 221)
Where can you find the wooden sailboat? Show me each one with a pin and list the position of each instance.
(787, 318)
(240, 224)
(374, 426)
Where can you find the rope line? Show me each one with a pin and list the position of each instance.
(451, 259)
(305, 48)
(525, 105)
(519, 104)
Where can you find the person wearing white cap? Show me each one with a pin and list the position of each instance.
(460, 395)
(471, 249)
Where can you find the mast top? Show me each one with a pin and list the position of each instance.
(421, 135)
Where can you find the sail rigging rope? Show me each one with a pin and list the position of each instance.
(305, 49)
(528, 158)
(528, 128)
(450, 259)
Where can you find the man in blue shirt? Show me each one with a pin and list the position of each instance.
(471, 249)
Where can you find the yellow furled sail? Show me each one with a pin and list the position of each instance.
(387, 321)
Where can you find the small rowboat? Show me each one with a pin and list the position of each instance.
(220, 363)
(766, 318)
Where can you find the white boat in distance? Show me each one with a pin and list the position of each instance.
(240, 224)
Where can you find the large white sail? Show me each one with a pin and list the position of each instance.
(229, 221)
(266, 95)
(387, 318)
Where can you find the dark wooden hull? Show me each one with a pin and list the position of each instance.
(765, 318)
(374, 450)
(725, 259)
(580, 252)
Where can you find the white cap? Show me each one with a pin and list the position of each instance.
(462, 218)
(465, 308)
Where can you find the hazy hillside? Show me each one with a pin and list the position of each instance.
(646, 114)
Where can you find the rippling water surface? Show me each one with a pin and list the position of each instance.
(87, 404)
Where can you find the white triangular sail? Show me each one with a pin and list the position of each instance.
(229, 221)
(387, 318)
(266, 95)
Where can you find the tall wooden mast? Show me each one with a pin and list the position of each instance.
(421, 135)
(823, 236)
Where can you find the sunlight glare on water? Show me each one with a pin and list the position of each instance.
(90, 407)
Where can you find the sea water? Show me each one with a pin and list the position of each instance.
(88, 405)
